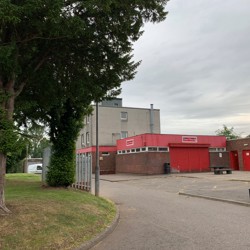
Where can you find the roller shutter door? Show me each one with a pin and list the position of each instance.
(193, 159)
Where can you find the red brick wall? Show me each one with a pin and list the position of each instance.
(239, 145)
(142, 163)
(107, 163)
(153, 162)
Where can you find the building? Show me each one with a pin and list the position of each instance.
(115, 122)
(239, 153)
(149, 153)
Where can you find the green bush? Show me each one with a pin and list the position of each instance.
(61, 171)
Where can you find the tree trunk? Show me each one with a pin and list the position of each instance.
(2, 182)
(7, 106)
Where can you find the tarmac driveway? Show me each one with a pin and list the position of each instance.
(154, 216)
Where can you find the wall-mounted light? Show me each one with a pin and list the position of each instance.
(246, 144)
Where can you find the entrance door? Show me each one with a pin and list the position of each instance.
(234, 160)
(246, 160)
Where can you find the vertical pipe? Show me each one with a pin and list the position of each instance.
(151, 118)
(97, 169)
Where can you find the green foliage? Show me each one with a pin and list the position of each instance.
(229, 133)
(68, 54)
(67, 125)
(61, 171)
(15, 159)
(8, 135)
(36, 136)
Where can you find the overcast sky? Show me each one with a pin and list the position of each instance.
(196, 67)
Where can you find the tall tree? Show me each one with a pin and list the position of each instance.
(228, 132)
(84, 45)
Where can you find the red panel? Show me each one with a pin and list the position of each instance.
(246, 160)
(159, 140)
(234, 160)
(189, 159)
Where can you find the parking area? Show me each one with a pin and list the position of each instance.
(153, 214)
(228, 187)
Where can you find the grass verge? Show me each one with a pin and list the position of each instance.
(50, 218)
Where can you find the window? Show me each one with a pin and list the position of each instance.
(87, 138)
(105, 153)
(39, 167)
(124, 116)
(124, 134)
(163, 149)
(87, 119)
(152, 149)
(82, 140)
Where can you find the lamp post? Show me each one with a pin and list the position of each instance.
(97, 168)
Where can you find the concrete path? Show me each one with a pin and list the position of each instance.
(154, 216)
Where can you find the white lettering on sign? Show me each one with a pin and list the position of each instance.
(192, 139)
(130, 142)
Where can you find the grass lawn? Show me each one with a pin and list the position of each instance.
(50, 218)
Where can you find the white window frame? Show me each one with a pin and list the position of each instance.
(82, 140)
(126, 132)
(125, 117)
(87, 119)
(87, 138)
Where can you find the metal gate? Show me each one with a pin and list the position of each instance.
(83, 174)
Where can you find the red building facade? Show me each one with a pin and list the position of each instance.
(147, 153)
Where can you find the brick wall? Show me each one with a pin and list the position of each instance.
(107, 163)
(142, 163)
(239, 145)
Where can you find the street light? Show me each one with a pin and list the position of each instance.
(97, 168)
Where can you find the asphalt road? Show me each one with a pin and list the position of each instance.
(153, 216)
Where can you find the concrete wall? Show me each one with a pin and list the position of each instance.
(111, 125)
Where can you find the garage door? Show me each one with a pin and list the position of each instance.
(193, 159)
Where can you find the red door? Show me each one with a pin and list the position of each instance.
(189, 159)
(246, 160)
(234, 160)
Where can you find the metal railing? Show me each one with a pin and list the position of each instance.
(83, 174)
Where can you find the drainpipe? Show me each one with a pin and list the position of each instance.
(151, 118)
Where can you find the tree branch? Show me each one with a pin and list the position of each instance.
(40, 63)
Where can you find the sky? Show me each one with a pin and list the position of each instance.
(195, 67)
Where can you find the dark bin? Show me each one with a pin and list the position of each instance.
(167, 169)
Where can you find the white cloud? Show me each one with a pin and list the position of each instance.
(195, 67)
